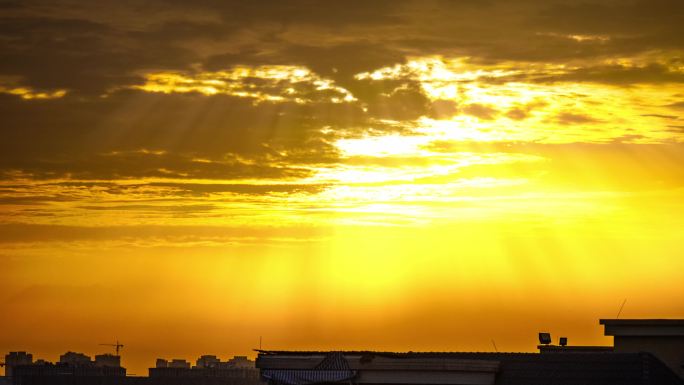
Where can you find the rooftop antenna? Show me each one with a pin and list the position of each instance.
(621, 306)
(117, 346)
(494, 343)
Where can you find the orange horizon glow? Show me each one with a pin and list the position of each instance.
(435, 200)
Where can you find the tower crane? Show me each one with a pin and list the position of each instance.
(117, 346)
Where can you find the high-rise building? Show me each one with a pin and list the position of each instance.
(108, 360)
(179, 363)
(241, 362)
(16, 358)
(74, 359)
(208, 361)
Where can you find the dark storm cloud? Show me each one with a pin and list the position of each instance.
(140, 165)
(9, 4)
(550, 31)
(97, 50)
(31, 200)
(634, 23)
(298, 12)
(405, 103)
(338, 61)
(90, 48)
(196, 189)
(653, 73)
(617, 75)
(174, 197)
(137, 134)
(79, 55)
(188, 208)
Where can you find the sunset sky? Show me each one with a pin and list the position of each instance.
(187, 176)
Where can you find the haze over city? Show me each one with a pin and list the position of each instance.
(196, 177)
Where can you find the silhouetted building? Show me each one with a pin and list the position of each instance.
(63, 373)
(241, 362)
(73, 359)
(456, 368)
(179, 364)
(72, 369)
(208, 371)
(161, 363)
(664, 338)
(645, 352)
(13, 359)
(207, 361)
(205, 372)
(78, 369)
(107, 360)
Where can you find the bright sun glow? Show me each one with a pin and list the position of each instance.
(440, 189)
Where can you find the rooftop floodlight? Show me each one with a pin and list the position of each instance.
(563, 341)
(544, 338)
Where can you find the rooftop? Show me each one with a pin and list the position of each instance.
(643, 322)
(509, 368)
(643, 327)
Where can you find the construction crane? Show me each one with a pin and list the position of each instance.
(117, 346)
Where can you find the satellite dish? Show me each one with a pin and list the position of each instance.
(544, 338)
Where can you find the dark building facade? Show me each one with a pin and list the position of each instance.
(13, 359)
(210, 375)
(455, 368)
(646, 352)
(66, 374)
(94, 373)
(664, 338)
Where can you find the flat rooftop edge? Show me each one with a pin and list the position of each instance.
(642, 322)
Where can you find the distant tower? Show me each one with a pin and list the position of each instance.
(15, 359)
(241, 362)
(74, 359)
(208, 361)
(109, 360)
(179, 363)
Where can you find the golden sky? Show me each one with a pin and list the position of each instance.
(387, 175)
